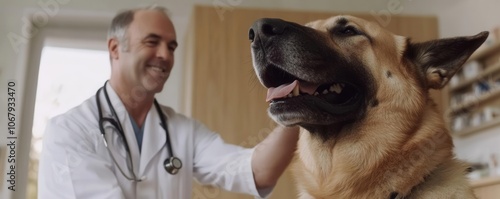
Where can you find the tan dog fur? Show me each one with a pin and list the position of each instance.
(414, 148)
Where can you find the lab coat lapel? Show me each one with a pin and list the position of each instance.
(153, 140)
(124, 118)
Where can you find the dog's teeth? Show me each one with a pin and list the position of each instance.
(325, 91)
(289, 95)
(316, 93)
(337, 88)
(331, 89)
(296, 91)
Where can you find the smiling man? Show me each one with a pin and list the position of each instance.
(121, 143)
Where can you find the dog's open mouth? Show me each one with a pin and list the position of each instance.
(292, 98)
(283, 86)
(333, 93)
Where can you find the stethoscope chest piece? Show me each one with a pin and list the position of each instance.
(172, 165)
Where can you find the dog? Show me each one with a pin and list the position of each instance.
(361, 97)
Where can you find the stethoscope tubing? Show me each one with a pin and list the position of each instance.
(119, 128)
(115, 123)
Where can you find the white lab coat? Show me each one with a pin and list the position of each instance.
(76, 164)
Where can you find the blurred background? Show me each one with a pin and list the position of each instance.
(55, 53)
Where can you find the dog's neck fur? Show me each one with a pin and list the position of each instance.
(418, 148)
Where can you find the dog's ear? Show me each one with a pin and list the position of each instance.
(441, 59)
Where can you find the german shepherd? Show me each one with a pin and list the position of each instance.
(361, 97)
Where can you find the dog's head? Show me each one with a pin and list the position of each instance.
(333, 71)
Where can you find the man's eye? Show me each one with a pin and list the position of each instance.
(172, 48)
(151, 42)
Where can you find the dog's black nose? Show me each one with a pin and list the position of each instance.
(267, 27)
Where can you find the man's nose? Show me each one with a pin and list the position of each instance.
(163, 52)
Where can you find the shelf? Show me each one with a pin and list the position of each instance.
(485, 52)
(479, 100)
(489, 70)
(475, 129)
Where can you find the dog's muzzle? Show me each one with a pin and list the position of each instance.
(301, 74)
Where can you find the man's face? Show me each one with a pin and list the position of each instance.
(146, 56)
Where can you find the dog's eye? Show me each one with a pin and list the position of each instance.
(349, 31)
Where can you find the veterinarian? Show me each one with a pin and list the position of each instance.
(121, 143)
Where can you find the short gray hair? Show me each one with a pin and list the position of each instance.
(122, 20)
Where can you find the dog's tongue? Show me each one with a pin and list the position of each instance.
(285, 89)
(280, 91)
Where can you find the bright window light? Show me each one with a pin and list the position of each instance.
(66, 78)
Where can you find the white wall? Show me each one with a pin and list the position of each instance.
(455, 18)
(469, 17)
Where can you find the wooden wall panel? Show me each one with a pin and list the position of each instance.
(224, 92)
(488, 192)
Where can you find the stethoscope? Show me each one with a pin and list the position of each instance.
(171, 164)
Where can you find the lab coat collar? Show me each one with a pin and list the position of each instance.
(154, 137)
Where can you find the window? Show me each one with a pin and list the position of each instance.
(67, 77)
